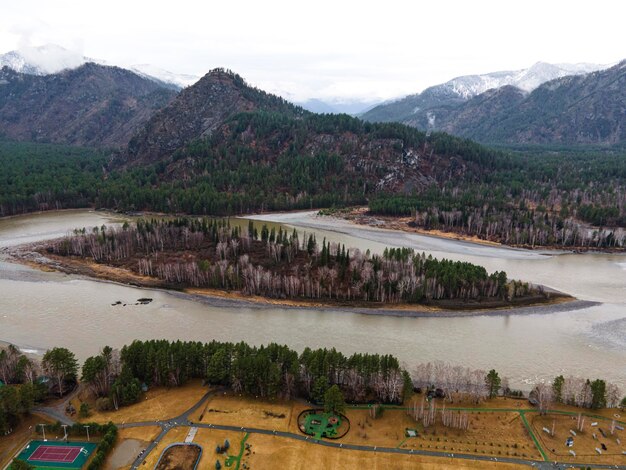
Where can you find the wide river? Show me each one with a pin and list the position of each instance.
(39, 310)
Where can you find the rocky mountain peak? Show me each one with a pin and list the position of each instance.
(196, 112)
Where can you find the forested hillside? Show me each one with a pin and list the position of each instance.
(268, 161)
(222, 147)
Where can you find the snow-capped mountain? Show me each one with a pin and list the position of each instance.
(51, 58)
(165, 76)
(42, 60)
(525, 79)
(584, 108)
(461, 89)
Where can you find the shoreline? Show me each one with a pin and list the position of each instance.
(29, 256)
(359, 216)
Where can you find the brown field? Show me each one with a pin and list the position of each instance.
(24, 432)
(210, 438)
(584, 442)
(495, 434)
(156, 404)
(142, 433)
(267, 451)
(232, 410)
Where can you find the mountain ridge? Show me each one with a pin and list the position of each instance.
(461, 89)
(553, 113)
(92, 105)
(52, 59)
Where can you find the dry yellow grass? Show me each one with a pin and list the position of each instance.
(24, 432)
(497, 434)
(584, 443)
(210, 438)
(243, 411)
(156, 404)
(142, 433)
(270, 451)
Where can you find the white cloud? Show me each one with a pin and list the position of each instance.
(359, 49)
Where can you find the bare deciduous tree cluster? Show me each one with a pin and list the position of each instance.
(209, 253)
(451, 379)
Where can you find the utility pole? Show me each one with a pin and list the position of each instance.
(43, 431)
(64, 426)
(87, 428)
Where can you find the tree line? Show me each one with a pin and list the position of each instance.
(117, 377)
(541, 200)
(579, 392)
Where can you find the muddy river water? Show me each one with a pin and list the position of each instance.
(39, 310)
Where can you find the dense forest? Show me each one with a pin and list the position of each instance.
(201, 252)
(37, 177)
(576, 200)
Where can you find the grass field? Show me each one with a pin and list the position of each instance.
(232, 410)
(24, 432)
(268, 451)
(584, 442)
(156, 404)
(497, 434)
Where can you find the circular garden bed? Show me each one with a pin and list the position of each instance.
(319, 424)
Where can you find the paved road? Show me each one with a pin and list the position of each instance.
(183, 420)
(57, 412)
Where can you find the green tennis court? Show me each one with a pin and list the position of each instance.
(54, 455)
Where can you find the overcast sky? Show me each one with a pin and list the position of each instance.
(325, 49)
